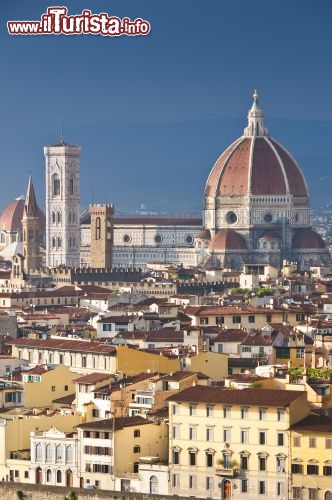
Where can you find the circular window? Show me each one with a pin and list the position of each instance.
(127, 238)
(158, 238)
(268, 218)
(231, 217)
(189, 239)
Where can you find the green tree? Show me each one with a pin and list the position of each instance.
(70, 495)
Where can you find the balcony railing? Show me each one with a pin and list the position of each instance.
(226, 471)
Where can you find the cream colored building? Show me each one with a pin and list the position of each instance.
(15, 429)
(81, 356)
(110, 450)
(54, 460)
(232, 444)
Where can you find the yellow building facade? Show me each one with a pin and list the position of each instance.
(232, 444)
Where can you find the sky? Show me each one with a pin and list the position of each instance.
(153, 112)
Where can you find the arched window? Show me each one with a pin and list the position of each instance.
(2, 238)
(328, 495)
(55, 185)
(58, 452)
(71, 186)
(58, 476)
(53, 217)
(154, 485)
(48, 452)
(69, 217)
(59, 242)
(58, 217)
(38, 451)
(48, 475)
(53, 242)
(30, 234)
(98, 228)
(69, 453)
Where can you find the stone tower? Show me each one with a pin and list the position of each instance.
(62, 205)
(30, 228)
(101, 235)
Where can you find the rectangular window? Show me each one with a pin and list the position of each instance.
(175, 480)
(327, 470)
(227, 411)
(192, 458)
(237, 319)
(209, 434)
(246, 348)
(280, 464)
(204, 321)
(297, 468)
(53, 388)
(95, 413)
(312, 469)
(244, 462)
(244, 436)
(313, 495)
(209, 459)
(261, 487)
(220, 320)
(209, 483)
(220, 348)
(251, 319)
(137, 433)
(280, 415)
(226, 435)
(244, 413)
(328, 443)
(280, 489)
(312, 442)
(192, 433)
(209, 410)
(244, 486)
(262, 437)
(300, 353)
(192, 410)
(175, 457)
(268, 318)
(280, 439)
(262, 413)
(261, 463)
(297, 441)
(176, 432)
(192, 482)
(175, 409)
(297, 493)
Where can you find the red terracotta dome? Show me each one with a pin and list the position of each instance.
(307, 238)
(228, 239)
(11, 217)
(256, 164)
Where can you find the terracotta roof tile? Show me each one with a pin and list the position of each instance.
(117, 423)
(63, 344)
(249, 397)
(314, 423)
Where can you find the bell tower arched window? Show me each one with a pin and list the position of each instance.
(55, 185)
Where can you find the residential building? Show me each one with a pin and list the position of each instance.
(227, 443)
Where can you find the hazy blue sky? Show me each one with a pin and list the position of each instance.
(152, 113)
